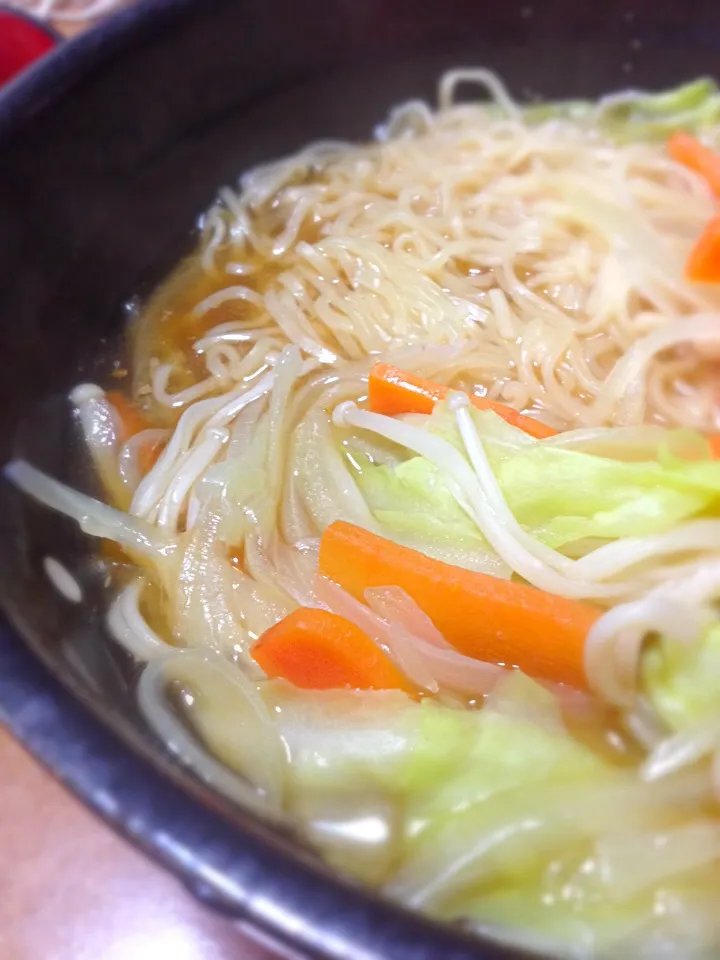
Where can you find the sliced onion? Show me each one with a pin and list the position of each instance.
(426, 663)
(99, 423)
(203, 611)
(95, 518)
(256, 745)
(128, 626)
(396, 606)
(395, 642)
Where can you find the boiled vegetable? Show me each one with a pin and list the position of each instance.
(695, 156)
(319, 650)
(557, 493)
(437, 758)
(482, 616)
(703, 264)
(393, 391)
(415, 504)
(682, 681)
(636, 115)
(131, 420)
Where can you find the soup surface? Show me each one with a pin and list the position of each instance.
(415, 483)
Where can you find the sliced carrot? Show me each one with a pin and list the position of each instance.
(482, 616)
(695, 156)
(319, 650)
(393, 391)
(715, 446)
(703, 265)
(131, 422)
(131, 419)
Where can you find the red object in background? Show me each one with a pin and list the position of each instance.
(22, 41)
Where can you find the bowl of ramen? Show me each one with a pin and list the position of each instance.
(360, 502)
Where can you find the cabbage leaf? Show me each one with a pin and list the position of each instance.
(639, 116)
(683, 681)
(560, 495)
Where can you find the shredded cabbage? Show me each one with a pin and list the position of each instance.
(558, 494)
(635, 115)
(446, 794)
(415, 505)
(345, 739)
(440, 759)
(428, 761)
(683, 680)
(647, 116)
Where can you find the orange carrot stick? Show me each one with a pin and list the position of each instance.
(692, 154)
(319, 650)
(393, 391)
(703, 265)
(715, 445)
(482, 616)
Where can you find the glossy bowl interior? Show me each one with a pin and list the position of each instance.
(108, 152)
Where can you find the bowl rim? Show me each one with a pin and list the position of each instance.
(302, 909)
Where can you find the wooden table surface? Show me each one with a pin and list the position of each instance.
(70, 889)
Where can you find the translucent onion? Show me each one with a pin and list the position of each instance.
(201, 597)
(396, 642)
(449, 669)
(94, 518)
(394, 604)
(128, 626)
(255, 748)
(101, 430)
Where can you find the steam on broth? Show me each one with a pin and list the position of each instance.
(417, 481)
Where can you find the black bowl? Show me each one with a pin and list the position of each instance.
(108, 152)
